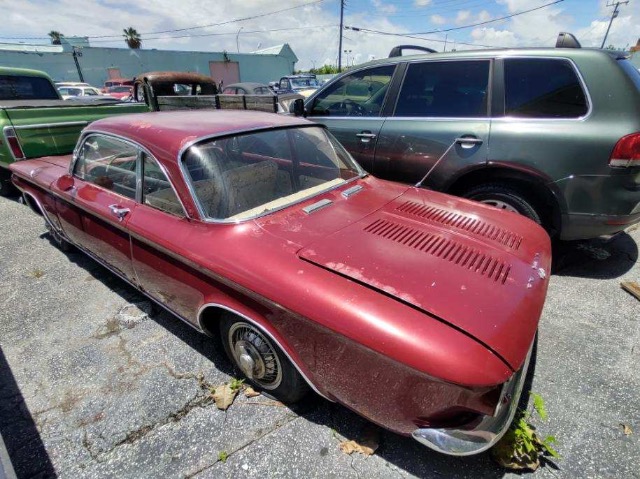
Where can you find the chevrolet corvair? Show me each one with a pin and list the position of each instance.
(416, 309)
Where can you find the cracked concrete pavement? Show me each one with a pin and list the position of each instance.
(95, 382)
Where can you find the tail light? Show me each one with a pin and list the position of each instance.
(14, 144)
(626, 153)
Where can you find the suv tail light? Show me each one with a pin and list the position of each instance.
(626, 153)
(14, 144)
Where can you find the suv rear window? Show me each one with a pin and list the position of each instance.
(543, 88)
(14, 87)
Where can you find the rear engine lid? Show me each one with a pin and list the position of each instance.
(481, 270)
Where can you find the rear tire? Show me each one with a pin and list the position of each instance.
(264, 364)
(506, 198)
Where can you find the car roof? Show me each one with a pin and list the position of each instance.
(165, 133)
(23, 72)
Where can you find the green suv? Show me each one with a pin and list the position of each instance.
(552, 133)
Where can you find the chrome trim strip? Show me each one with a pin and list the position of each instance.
(89, 133)
(217, 305)
(466, 442)
(52, 125)
(317, 206)
(351, 191)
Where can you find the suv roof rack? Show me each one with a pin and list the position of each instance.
(567, 40)
(397, 51)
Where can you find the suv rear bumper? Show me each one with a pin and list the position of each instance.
(598, 205)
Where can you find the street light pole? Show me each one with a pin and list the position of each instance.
(237, 38)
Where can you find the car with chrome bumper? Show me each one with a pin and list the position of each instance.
(415, 309)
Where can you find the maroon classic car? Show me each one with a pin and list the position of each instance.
(416, 309)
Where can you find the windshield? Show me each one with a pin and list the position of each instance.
(249, 175)
(304, 83)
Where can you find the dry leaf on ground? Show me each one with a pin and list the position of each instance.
(223, 395)
(632, 288)
(367, 445)
(250, 392)
(626, 429)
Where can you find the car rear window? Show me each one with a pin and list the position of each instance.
(543, 88)
(26, 88)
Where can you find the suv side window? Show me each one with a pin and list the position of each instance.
(109, 163)
(445, 89)
(360, 94)
(543, 88)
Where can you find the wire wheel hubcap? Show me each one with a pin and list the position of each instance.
(255, 355)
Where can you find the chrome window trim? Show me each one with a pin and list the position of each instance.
(576, 70)
(261, 328)
(51, 125)
(141, 149)
(205, 219)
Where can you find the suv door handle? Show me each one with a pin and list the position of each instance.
(468, 142)
(119, 212)
(366, 136)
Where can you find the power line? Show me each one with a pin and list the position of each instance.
(412, 35)
(471, 25)
(252, 17)
(614, 14)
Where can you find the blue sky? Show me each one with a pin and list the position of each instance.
(311, 26)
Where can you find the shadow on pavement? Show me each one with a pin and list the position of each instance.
(22, 440)
(596, 258)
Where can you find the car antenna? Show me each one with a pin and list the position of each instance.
(461, 140)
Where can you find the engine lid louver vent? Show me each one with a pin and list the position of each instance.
(472, 225)
(443, 248)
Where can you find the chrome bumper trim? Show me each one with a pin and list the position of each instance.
(466, 442)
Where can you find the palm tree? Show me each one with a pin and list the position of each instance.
(55, 37)
(132, 38)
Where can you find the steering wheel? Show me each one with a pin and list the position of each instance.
(349, 107)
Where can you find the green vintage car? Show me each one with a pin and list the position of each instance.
(36, 122)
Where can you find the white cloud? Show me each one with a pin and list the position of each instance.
(463, 16)
(384, 7)
(438, 19)
(484, 16)
(422, 3)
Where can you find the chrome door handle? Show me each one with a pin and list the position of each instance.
(468, 142)
(366, 135)
(119, 212)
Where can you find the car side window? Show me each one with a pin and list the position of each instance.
(445, 89)
(360, 94)
(156, 188)
(109, 163)
(543, 88)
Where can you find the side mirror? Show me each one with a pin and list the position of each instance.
(298, 107)
(65, 183)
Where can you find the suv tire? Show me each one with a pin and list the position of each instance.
(504, 197)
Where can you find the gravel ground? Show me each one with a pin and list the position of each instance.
(95, 382)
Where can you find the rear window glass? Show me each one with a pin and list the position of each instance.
(26, 88)
(543, 88)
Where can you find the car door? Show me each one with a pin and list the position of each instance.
(352, 109)
(442, 105)
(159, 229)
(94, 211)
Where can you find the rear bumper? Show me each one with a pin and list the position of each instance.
(584, 226)
(483, 435)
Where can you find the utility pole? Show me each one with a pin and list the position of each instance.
(340, 42)
(76, 53)
(613, 15)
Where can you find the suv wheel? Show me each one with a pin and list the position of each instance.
(504, 197)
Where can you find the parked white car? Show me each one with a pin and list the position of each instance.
(70, 92)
